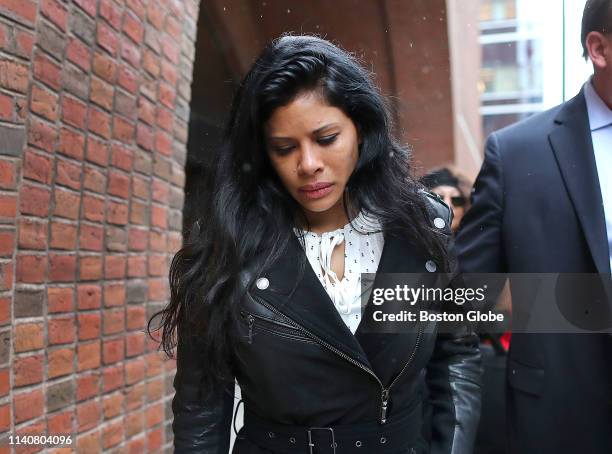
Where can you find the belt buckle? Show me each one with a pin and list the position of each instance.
(311, 445)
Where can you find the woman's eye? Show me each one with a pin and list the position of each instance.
(327, 139)
(283, 150)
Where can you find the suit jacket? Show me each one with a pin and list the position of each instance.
(297, 363)
(537, 208)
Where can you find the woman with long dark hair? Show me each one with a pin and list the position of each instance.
(310, 191)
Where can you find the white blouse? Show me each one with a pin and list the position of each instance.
(361, 255)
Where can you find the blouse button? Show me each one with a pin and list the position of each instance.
(439, 223)
(262, 283)
(430, 266)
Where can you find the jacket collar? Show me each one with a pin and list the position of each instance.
(573, 148)
(310, 306)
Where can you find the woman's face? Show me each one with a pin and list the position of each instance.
(314, 149)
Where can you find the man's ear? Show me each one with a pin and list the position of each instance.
(599, 47)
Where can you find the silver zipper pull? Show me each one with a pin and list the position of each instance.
(251, 321)
(384, 406)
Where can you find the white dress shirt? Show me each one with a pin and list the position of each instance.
(600, 121)
(362, 253)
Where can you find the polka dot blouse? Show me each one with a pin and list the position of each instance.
(363, 244)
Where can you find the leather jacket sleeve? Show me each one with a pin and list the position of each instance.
(454, 377)
(200, 425)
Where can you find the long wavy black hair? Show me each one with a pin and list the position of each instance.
(252, 214)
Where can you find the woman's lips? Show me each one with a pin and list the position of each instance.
(316, 191)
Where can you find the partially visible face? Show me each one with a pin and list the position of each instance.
(313, 148)
(448, 193)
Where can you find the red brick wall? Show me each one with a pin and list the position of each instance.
(94, 105)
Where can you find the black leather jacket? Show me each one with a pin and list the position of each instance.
(297, 363)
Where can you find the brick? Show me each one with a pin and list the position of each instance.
(89, 443)
(157, 265)
(159, 216)
(4, 385)
(37, 167)
(130, 53)
(23, 43)
(157, 241)
(89, 296)
(6, 107)
(112, 435)
(154, 415)
(174, 29)
(125, 104)
(13, 75)
(47, 71)
(61, 330)
(72, 144)
(118, 184)
(167, 95)
(68, 174)
(66, 203)
(91, 237)
(90, 268)
(28, 370)
(171, 50)
(146, 111)
(123, 130)
(114, 321)
(82, 26)
(107, 39)
(34, 200)
(99, 122)
(148, 87)
(163, 143)
(105, 67)
(137, 266)
(112, 378)
(29, 336)
(55, 12)
(112, 351)
(136, 319)
(137, 239)
(75, 81)
(135, 372)
(157, 290)
(78, 53)
(101, 93)
(128, 79)
(122, 158)
(114, 267)
(162, 168)
(6, 280)
(135, 344)
(88, 416)
(60, 395)
(88, 386)
(140, 187)
(139, 213)
(60, 362)
(89, 6)
(63, 235)
(155, 390)
(152, 38)
(60, 299)
(137, 7)
(116, 239)
(133, 28)
(23, 11)
(32, 234)
(89, 326)
(169, 73)
(117, 213)
(97, 151)
(93, 208)
(74, 112)
(28, 405)
(144, 137)
(60, 423)
(88, 356)
(7, 242)
(111, 12)
(50, 40)
(114, 295)
(40, 135)
(44, 102)
(29, 303)
(155, 15)
(62, 268)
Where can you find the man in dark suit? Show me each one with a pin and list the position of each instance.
(542, 203)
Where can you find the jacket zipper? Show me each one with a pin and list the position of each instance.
(385, 399)
(266, 325)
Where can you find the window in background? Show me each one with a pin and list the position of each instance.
(531, 58)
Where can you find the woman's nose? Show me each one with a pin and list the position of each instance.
(310, 160)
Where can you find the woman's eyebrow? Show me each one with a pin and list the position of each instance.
(315, 132)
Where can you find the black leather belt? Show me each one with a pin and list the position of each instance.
(398, 434)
